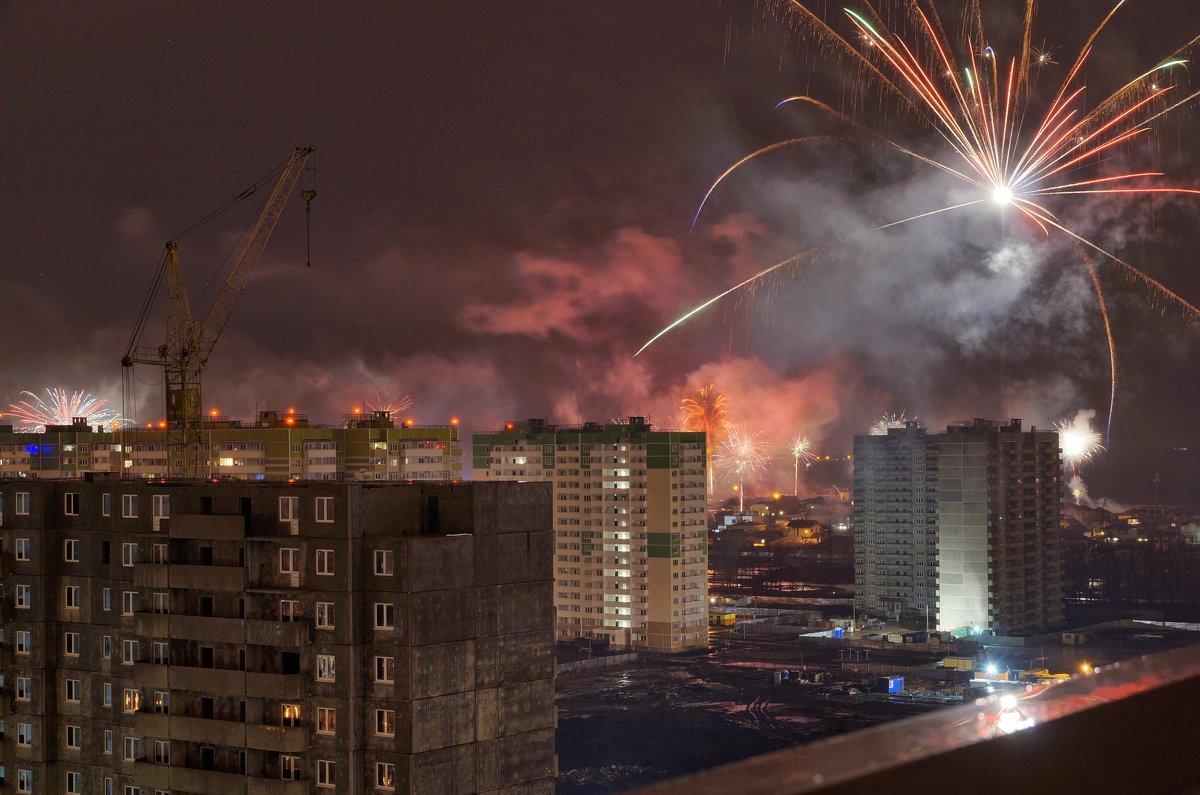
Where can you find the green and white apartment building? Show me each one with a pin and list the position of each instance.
(630, 522)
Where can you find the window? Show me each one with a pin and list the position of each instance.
(129, 600)
(132, 748)
(160, 506)
(74, 737)
(385, 669)
(108, 741)
(71, 503)
(24, 641)
(24, 688)
(326, 720)
(129, 652)
(324, 561)
(326, 668)
(162, 702)
(385, 775)
(129, 506)
(384, 615)
(106, 599)
(71, 550)
(324, 509)
(24, 780)
(74, 691)
(25, 734)
(289, 714)
(324, 615)
(159, 553)
(131, 789)
(160, 652)
(385, 722)
(326, 773)
(24, 596)
(106, 505)
(289, 509)
(129, 554)
(21, 508)
(106, 646)
(71, 644)
(131, 700)
(162, 602)
(71, 597)
(289, 767)
(22, 550)
(383, 562)
(162, 752)
(289, 560)
(106, 694)
(289, 610)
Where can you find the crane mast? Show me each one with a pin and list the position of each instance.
(190, 341)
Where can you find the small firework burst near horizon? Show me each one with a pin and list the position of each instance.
(393, 404)
(742, 453)
(707, 411)
(801, 450)
(61, 406)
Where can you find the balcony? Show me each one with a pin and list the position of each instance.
(279, 634)
(207, 578)
(207, 527)
(285, 739)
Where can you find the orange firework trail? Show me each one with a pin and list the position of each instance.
(982, 107)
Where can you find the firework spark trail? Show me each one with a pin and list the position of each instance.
(982, 120)
(800, 450)
(707, 412)
(742, 453)
(60, 407)
(392, 404)
(1112, 347)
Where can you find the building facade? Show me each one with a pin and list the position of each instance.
(630, 522)
(276, 446)
(967, 518)
(193, 637)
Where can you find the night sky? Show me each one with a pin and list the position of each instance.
(504, 199)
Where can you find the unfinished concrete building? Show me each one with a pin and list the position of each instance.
(192, 637)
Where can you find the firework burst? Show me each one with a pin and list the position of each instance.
(1078, 440)
(800, 449)
(1015, 151)
(887, 422)
(60, 407)
(393, 404)
(707, 412)
(742, 453)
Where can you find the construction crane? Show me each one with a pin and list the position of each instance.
(190, 341)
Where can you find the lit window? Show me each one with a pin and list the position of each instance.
(289, 509)
(324, 561)
(324, 509)
(384, 615)
(21, 508)
(385, 669)
(71, 550)
(326, 773)
(131, 700)
(385, 775)
(289, 714)
(71, 503)
(383, 562)
(23, 545)
(324, 615)
(385, 722)
(129, 506)
(162, 702)
(326, 668)
(326, 720)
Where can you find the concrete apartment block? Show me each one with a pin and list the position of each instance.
(235, 637)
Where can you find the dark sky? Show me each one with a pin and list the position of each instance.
(505, 194)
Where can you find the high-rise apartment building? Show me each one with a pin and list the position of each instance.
(630, 523)
(193, 637)
(963, 524)
(275, 446)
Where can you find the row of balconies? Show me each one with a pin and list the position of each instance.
(290, 634)
(289, 739)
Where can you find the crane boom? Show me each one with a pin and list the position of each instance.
(190, 342)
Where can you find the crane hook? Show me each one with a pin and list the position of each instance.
(308, 196)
